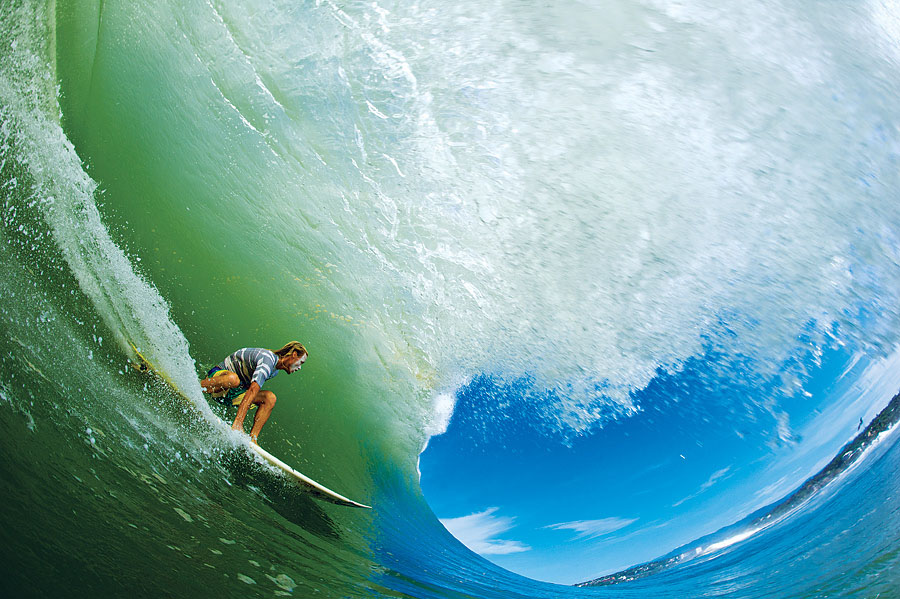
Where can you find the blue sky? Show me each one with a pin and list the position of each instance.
(693, 460)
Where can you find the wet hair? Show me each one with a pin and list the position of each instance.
(288, 349)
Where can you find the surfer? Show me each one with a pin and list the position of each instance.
(238, 380)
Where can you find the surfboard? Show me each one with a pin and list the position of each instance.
(317, 490)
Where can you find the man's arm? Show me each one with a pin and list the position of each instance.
(238, 424)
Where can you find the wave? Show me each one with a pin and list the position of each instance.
(575, 259)
(430, 199)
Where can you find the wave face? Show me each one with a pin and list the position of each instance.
(591, 198)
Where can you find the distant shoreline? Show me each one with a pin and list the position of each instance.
(848, 454)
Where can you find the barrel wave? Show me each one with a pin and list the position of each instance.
(504, 231)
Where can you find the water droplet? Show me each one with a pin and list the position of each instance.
(183, 514)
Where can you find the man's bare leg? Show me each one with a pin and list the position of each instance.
(265, 401)
(220, 382)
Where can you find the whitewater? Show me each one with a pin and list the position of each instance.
(562, 218)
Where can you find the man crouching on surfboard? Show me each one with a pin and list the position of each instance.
(238, 380)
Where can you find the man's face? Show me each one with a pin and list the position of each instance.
(294, 363)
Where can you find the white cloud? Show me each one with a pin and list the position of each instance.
(713, 479)
(478, 532)
(590, 529)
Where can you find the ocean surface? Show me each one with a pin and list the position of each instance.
(560, 217)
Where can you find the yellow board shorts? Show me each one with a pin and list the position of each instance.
(234, 396)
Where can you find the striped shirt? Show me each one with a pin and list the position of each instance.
(251, 364)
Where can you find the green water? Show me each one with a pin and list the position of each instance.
(210, 213)
(118, 484)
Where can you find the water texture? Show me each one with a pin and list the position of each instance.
(478, 216)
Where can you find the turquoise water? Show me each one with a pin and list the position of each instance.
(589, 196)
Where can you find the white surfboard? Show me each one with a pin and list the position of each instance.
(317, 490)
